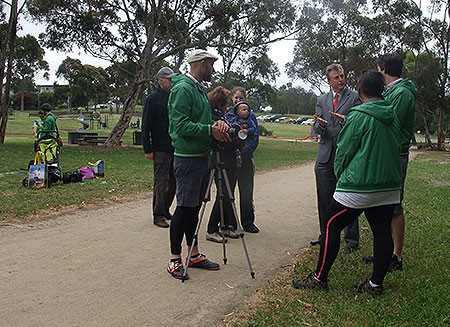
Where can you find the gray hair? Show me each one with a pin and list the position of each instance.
(331, 67)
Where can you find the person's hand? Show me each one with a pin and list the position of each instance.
(339, 117)
(218, 135)
(149, 156)
(221, 125)
(322, 122)
(245, 131)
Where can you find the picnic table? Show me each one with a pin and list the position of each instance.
(92, 139)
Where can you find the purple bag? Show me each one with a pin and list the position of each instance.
(86, 172)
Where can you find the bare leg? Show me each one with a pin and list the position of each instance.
(398, 233)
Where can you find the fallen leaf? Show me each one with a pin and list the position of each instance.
(305, 304)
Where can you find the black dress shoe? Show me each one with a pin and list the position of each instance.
(252, 229)
(314, 242)
(161, 222)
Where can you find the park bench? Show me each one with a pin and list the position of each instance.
(92, 139)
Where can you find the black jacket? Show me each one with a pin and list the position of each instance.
(155, 123)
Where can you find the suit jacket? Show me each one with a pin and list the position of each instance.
(329, 134)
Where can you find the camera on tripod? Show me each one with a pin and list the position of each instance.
(237, 135)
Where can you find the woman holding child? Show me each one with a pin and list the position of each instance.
(238, 163)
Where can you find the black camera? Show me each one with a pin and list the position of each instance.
(237, 135)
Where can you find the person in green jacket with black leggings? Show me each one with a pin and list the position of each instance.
(367, 166)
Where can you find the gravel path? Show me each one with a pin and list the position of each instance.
(107, 267)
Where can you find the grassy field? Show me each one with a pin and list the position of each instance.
(128, 173)
(292, 131)
(417, 296)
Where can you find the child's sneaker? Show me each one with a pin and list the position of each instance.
(176, 269)
(310, 281)
(366, 287)
(200, 261)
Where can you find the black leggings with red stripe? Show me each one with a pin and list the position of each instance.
(339, 216)
(184, 221)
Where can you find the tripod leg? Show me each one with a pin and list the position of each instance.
(222, 218)
(197, 228)
(238, 224)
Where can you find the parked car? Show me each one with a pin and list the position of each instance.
(272, 118)
(262, 118)
(283, 120)
(300, 120)
(309, 121)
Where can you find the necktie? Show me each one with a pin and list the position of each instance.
(336, 100)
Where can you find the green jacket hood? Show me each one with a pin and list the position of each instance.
(380, 110)
(408, 84)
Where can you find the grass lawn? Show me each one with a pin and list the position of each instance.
(417, 296)
(20, 127)
(128, 173)
(293, 131)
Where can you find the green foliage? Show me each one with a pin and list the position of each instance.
(288, 99)
(331, 31)
(28, 58)
(87, 84)
(28, 98)
(416, 296)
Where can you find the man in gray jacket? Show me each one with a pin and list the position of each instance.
(331, 110)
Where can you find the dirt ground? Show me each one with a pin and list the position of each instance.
(107, 267)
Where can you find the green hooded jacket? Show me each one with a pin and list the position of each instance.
(48, 125)
(403, 97)
(368, 150)
(190, 118)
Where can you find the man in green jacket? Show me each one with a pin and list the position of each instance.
(402, 93)
(190, 128)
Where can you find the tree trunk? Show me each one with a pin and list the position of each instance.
(427, 129)
(440, 130)
(12, 39)
(127, 112)
(22, 96)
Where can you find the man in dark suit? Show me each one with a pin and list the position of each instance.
(331, 111)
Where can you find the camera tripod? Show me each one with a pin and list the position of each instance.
(221, 177)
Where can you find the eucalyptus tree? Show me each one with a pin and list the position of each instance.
(29, 60)
(87, 84)
(144, 31)
(334, 31)
(8, 29)
(432, 37)
(243, 47)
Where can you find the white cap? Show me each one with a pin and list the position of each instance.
(200, 54)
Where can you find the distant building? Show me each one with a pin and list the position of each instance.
(45, 88)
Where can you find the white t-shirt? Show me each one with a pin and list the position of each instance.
(356, 200)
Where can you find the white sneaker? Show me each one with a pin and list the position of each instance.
(231, 233)
(214, 237)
